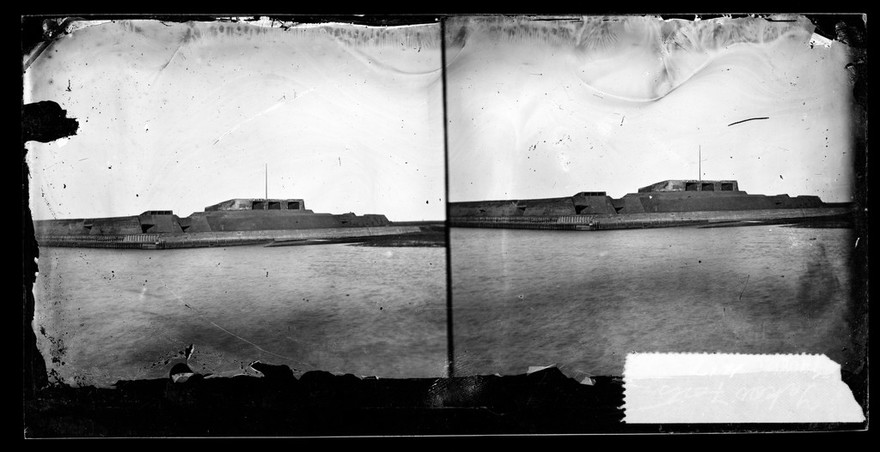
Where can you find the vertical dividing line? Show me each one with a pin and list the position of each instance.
(450, 343)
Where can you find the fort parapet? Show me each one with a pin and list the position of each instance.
(236, 221)
(663, 204)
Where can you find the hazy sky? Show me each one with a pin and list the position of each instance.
(551, 108)
(180, 116)
(184, 115)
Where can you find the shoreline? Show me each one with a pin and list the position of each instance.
(394, 235)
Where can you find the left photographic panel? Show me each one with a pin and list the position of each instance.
(239, 190)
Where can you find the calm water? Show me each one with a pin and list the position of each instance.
(581, 300)
(105, 315)
(584, 300)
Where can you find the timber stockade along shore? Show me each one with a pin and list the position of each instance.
(670, 203)
(241, 221)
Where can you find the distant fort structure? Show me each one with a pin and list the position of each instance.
(676, 202)
(236, 221)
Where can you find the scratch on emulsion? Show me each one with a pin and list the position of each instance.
(235, 335)
(249, 342)
(745, 120)
(164, 66)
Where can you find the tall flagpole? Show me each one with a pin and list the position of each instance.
(267, 182)
(700, 163)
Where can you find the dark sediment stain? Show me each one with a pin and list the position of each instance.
(321, 403)
(44, 122)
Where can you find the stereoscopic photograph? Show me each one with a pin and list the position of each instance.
(355, 225)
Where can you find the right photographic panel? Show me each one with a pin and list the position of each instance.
(641, 184)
